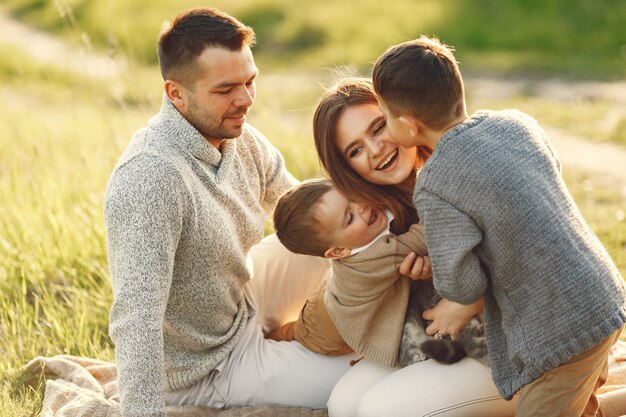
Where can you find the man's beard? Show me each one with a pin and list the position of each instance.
(212, 128)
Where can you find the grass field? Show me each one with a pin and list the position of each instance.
(60, 135)
(572, 37)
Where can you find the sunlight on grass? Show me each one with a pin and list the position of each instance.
(604, 209)
(573, 37)
(53, 274)
(590, 119)
(61, 134)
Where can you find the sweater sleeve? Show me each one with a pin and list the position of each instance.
(413, 241)
(143, 216)
(276, 178)
(452, 236)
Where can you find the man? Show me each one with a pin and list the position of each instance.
(184, 206)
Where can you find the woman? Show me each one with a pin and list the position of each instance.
(349, 131)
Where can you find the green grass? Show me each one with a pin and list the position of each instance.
(53, 273)
(590, 119)
(61, 134)
(577, 38)
(604, 209)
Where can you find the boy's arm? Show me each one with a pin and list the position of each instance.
(413, 241)
(452, 237)
(448, 317)
(412, 244)
(451, 318)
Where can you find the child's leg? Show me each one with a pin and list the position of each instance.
(570, 389)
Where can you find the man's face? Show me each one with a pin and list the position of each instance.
(347, 224)
(219, 99)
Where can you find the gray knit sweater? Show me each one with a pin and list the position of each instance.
(180, 218)
(501, 223)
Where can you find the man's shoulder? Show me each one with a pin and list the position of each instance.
(145, 168)
(146, 151)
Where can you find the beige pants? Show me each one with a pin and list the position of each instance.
(261, 371)
(570, 389)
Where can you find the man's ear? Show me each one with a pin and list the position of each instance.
(176, 93)
(412, 124)
(337, 253)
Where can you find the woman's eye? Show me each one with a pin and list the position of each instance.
(350, 218)
(355, 151)
(379, 129)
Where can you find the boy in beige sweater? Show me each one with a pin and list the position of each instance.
(363, 304)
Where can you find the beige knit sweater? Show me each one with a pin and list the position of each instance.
(367, 298)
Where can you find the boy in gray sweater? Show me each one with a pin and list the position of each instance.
(501, 224)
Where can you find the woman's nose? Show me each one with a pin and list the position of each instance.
(376, 146)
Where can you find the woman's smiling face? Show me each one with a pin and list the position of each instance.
(362, 140)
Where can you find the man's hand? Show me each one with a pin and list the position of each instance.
(416, 267)
(450, 318)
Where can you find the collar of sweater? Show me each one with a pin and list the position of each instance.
(180, 133)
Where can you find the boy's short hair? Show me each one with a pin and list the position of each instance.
(421, 78)
(297, 226)
(190, 32)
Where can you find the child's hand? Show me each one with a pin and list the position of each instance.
(416, 267)
(450, 318)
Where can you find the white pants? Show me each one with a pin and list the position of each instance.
(464, 389)
(261, 371)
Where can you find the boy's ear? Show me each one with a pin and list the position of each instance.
(337, 253)
(412, 124)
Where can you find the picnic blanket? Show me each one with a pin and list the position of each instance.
(81, 387)
(86, 387)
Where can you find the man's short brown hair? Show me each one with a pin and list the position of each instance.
(190, 32)
(295, 218)
(421, 78)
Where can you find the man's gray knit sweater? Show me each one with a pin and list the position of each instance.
(500, 223)
(180, 218)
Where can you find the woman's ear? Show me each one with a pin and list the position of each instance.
(337, 253)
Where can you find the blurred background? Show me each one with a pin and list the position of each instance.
(78, 77)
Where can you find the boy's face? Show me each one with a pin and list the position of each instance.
(398, 130)
(348, 225)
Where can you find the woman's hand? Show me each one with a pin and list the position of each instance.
(450, 318)
(416, 267)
